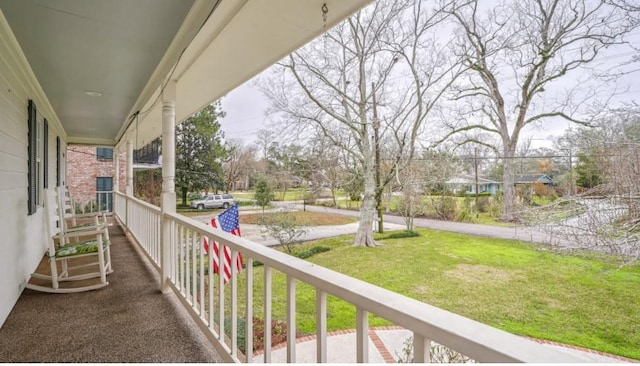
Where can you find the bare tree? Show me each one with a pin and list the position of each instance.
(517, 52)
(388, 51)
(604, 217)
(283, 227)
(241, 160)
(264, 139)
(411, 203)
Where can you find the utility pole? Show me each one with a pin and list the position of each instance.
(475, 164)
(376, 127)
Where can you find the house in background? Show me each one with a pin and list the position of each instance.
(467, 184)
(91, 175)
(534, 178)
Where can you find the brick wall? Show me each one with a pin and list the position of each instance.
(83, 168)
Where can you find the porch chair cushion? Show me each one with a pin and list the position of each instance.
(71, 249)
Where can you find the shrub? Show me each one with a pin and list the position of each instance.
(438, 352)
(402, 234)
(278, 333)
(284, 227)
(465, 216)
(495, 210)
(484, 203)
(524, 192)
(541, 189)
(304, 254)
(263, 194)
(310, 197)
(446, 207)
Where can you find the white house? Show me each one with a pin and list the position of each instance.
(467, 184)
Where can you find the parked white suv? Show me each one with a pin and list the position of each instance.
(213, 201)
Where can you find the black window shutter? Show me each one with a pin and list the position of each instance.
(45, 151)
(32, 198)
(58, 177)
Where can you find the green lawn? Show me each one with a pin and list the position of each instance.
(292, 194)
(586, 301)
(243, 194)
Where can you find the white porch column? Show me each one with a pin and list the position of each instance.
(168, 178)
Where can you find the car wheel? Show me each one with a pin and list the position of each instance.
(201, 207)
(225, 205)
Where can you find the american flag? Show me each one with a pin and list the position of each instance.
(227, 221)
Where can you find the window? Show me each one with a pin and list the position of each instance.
(104, 196)
(104, 153)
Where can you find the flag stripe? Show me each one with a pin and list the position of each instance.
(227, 221)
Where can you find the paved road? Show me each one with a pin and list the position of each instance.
(393, 222)
(517, 233)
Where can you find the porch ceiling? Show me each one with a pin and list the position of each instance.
(108, 47)
(126, 51)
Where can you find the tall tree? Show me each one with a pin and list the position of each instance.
(517, 52)
(240, 163)
(200, 152)
(388, 51)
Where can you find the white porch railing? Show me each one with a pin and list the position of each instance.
(208, 299)
(120, 206)
(143, 221)
(102, 201)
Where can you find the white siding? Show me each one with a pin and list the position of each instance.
(23, 242)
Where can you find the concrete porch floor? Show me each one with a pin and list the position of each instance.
(127, 321)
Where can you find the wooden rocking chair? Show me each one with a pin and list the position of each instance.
(62, 249)
(70, 221)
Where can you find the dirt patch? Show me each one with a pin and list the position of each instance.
(479, 273)
(278, 333)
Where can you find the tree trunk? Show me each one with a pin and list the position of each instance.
(333, 195)
(364, 235)
(228, 186)
(184, 196)
(509, 197)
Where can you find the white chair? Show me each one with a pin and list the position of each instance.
(62, 249)
(69, 212)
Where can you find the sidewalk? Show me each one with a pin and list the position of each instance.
(386, 346)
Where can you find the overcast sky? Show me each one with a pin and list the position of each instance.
(246, 106)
